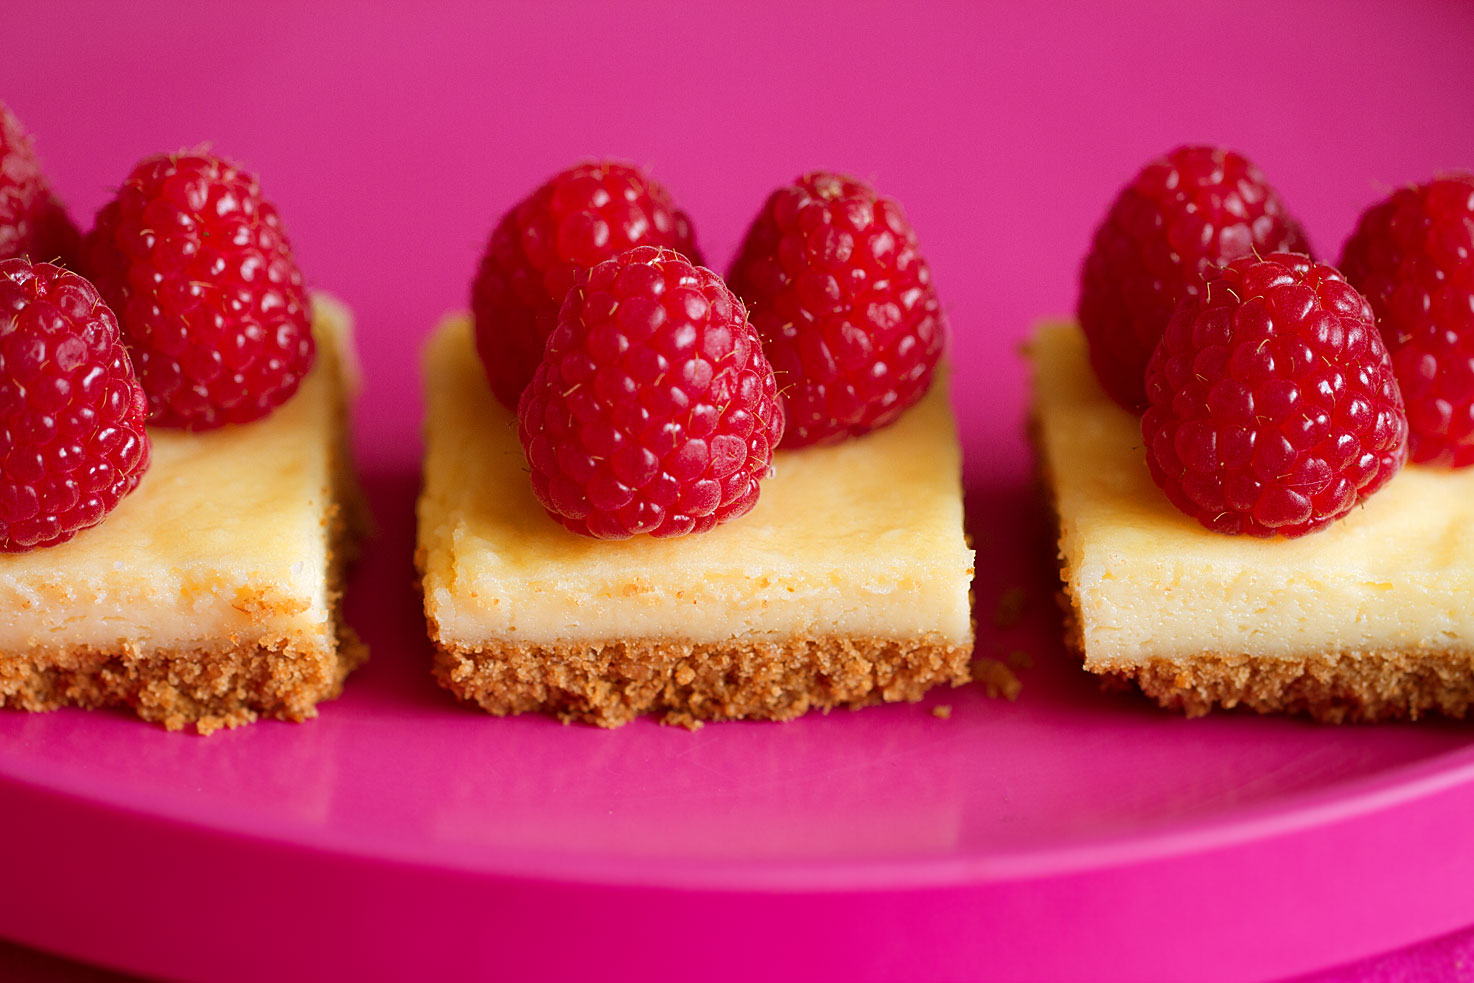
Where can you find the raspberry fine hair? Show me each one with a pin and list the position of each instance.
(1412, 255)
(33, 223)
(1273, 409)
(1185, 213)
(579, 217)
(844, 302)
(195, 263)
(72, 437)
(653, 409)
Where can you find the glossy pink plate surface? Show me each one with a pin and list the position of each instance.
(1069, 834)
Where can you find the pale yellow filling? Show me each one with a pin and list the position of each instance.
(1397, 574)
(224, 541)
(860, 539)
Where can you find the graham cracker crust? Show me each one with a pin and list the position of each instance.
(611, 684)
(1334, 688)
(210, 689)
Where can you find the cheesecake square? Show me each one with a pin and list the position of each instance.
(1369, 619)
(848, 583)
(211, 594)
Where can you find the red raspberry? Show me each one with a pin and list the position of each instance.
(72, 440)
(32, 222)
(1196, 208)
(196, 265)
(1273, 406)
(585, 215)
(653, 409)
(1413, 257)
(844, 303)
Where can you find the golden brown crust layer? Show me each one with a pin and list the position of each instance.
(211, 689)
(1350, 687)
(685, 684)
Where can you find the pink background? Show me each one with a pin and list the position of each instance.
(393, 135)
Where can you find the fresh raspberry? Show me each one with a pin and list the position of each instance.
(1185, 213)
(32, 222)
(72, 440)
(582, 216)
(196, 265)
(653, 409)
(1412, 255)
(844, 303)
(1273, 405)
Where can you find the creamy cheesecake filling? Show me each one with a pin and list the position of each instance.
(1148, 582)
(862, 539)
(225, 541)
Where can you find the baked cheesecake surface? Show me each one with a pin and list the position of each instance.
(859, 543)
(229, 551)
(1366, 619)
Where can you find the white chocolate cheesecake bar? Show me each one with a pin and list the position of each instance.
(211, 594)
(847, 584)
(1369, 619)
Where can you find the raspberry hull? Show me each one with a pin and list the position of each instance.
(1412, 255)
(582, 216)
(653, 409)
(1194, 209)
(194, 262)
(845, 306)
(1273, 405)
(72, 438)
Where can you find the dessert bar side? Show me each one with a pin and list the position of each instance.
(790, 643)
(1341, 626)
(216, 639)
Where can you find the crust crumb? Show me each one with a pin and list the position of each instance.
(942, 711)
(997, 679)
(1019, 659)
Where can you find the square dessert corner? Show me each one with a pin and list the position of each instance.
(848, 583)
(1366, 620)
(211, 594)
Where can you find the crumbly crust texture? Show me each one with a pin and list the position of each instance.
(211, 689)
(1344, 687)
(686, 684)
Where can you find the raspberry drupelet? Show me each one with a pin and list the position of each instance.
(653, 409)
(580, 217)
(194, 262)
(1273, 409)
(33, 223)
(72, 437)
(844, 303)
(1184, 214)
(1412, 255)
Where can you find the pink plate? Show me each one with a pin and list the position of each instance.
(1068, 834)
